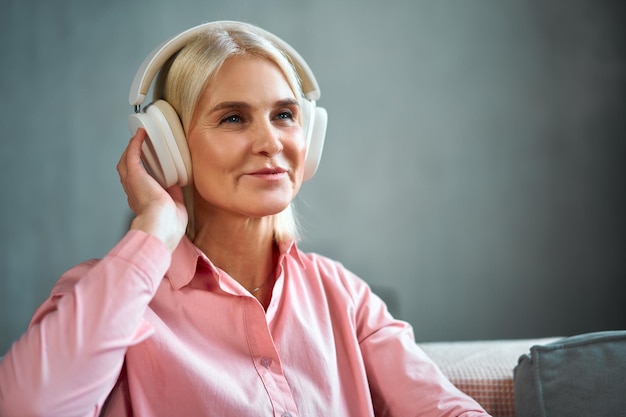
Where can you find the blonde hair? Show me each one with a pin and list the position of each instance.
(185, 76)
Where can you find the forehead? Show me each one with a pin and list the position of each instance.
(248, 76)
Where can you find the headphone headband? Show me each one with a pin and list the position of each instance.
(153, 62)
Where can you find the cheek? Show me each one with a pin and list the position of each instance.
(204, 152)
(198, 156)
(204, 161)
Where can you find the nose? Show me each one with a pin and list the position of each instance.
(267, 139)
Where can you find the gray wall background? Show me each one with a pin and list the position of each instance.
(473, 170)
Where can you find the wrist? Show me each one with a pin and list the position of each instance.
(168, 233)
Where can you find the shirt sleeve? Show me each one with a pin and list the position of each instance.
(69, 359)
(403, 380)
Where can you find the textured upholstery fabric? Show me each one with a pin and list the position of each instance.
(483, 369)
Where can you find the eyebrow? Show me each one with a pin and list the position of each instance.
(236, 105)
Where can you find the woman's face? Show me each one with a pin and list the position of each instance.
(246, 143)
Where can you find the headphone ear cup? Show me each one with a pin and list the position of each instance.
(316, 134)
(165, 153)
(175, 139)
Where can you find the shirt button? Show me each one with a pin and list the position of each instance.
(267, 362)
(286, 414)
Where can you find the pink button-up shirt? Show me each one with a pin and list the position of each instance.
(116, 337)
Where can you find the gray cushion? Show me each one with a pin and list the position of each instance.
(577, 376)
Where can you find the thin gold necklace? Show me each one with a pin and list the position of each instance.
(254, 290)
(269, 276)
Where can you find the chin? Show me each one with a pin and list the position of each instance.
(273, 203)
(271, 210)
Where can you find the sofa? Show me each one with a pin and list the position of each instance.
(483, 369)
(578, 376)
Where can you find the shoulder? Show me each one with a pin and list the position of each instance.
(343, 292)
(323, 266)
(328, 274)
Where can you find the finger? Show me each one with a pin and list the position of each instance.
(131, 145)
(133, 150)
(124, 165)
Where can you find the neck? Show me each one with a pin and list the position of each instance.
(243, 248)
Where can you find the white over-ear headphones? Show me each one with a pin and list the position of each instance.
(165, 153)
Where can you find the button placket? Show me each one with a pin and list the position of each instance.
(266, 359)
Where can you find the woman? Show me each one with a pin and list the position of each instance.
(206, 306)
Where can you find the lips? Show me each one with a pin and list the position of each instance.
(270, 171)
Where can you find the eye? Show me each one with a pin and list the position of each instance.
(285, 115)
(232, 118)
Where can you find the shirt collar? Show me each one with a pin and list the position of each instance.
(289, 248)
(185, 260)
(187, 257)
